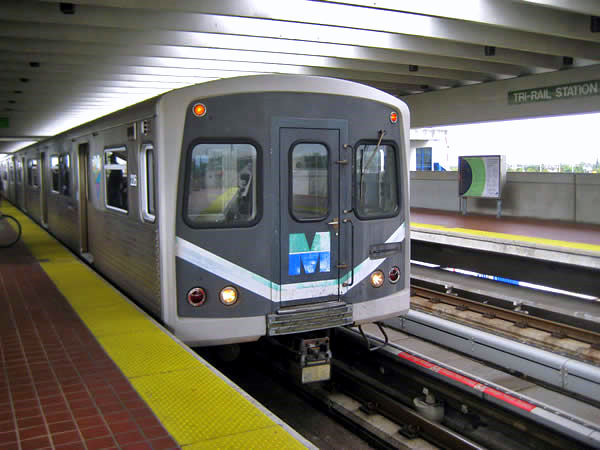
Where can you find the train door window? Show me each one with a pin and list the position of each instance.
(54, 170)
(19, 172)
(33, 176)
(221, 186)
(65, 173)
(115, 176)
(376, 181)
(424, 158)
(147, 182)
(310, 181)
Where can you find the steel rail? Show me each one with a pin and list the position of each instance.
(557, 329)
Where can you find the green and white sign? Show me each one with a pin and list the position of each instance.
(4, 122)
(480, 176)
(559, 92)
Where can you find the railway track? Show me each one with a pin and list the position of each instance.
(553, 335)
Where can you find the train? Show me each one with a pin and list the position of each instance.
(256, 206)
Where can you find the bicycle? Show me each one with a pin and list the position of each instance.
(10, 230)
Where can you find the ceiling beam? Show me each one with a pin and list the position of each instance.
(303, 12)
(142, 19)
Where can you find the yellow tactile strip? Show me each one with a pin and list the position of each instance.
(197, 407)
(511, 237)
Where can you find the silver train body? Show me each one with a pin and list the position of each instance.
(237, 208)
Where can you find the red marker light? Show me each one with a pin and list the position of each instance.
(393, 117)
(196, 296)
(199, 109)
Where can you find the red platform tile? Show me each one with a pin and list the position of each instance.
(164, 444)
(95, 432)
(138, 446)
(34, 421)
(33, 432)
(36, 444)
(58, 417)
(60, 427)
(101, 443)
(68, 437)
(58, 388)
(71, 446)
(7, 437)
(129, 437)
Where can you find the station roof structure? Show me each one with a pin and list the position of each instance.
(62, 64)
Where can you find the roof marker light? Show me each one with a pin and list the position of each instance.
(393, 117)
(199, 110)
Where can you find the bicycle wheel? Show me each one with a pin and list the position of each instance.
(10, 231)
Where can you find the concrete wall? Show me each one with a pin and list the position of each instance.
(557, 196)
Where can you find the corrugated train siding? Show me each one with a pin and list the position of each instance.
(33, 203)
(63, 221)
(126, 252)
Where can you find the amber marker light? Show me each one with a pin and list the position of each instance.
(228, 295)
(377, 279)
(393, 117)
(199, 110)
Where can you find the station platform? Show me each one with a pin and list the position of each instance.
(574, 244)
(81, 367)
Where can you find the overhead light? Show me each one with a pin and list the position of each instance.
(67, 8)
(489, 50)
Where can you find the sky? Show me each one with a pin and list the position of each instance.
(550, 140)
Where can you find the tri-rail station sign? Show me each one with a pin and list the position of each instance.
(562, 91)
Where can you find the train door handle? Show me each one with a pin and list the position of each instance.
(335, 223)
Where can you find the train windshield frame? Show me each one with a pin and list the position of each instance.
(222, 184)
(376, 188)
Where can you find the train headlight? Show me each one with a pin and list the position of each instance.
(394, 275)
(196, 296)
(228, 295)
(377, 279)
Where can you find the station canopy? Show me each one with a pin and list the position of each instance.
(63, 64)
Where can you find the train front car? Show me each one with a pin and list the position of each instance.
(288, 201)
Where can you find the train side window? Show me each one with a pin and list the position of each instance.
(65, 173)
(376, 181)
(115, 178)
(221, 186)
(54, 169)
(310, 181)
(33, 176)
(146, 171)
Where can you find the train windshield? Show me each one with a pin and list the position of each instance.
(221, 187)
(376, 191)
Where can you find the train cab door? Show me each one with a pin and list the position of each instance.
(310, 214)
